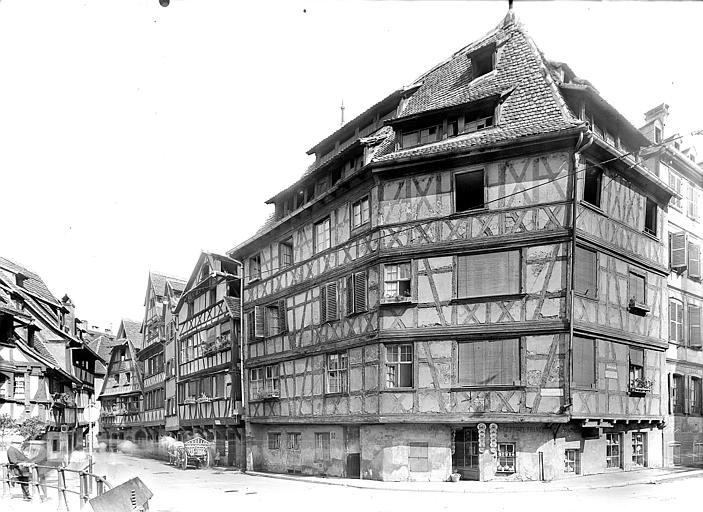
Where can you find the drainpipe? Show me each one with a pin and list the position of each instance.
(241, 363)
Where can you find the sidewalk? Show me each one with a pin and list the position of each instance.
(600, 481)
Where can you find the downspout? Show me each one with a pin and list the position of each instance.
(581, 145)
(241, 363)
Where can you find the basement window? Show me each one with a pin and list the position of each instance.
(483, 61)
(469, 190)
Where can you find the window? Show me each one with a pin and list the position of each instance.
(694, 261)
(18, 389)
(322, 235)
(503, 267)
(572, 461)
(489, 363)
(360, 212)
(213, 296)
(255, 267)
(678, 393)
(294, 441)
(337, 372)
(639, 446)
(255, 323)
(675, 454)
(263, 382)
(322, 446)
(612, 451)
(421, 136)
(657, 134)
(694, 326)
(677, 251)
(271, 374)
(637, 288)
(592, 185)
(418, 457)
(637, 380)
(399, 366)
(650, 217)
(275, 318)
(127, 378)
(328, 302)
(483, 61)
(469, 190)
(396, 281)
(285, 253)
(466, 449)
(356, 293)
(675, 183)
(584, 362)
(675, 321)
(696, 396)
(697, 452)
(692, 209)
(585, 272)
(506, 458)
(479, 118)
(274, 440)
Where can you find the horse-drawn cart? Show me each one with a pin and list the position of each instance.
(195, 453)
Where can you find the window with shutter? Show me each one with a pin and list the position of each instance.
(694, 326)
(328, 302)
(692, 209)
(694, 261)
(356, 293)
(583, 364)
(675, 321)
(675, 183)
(678, 393)
(585, 272)
(502, 267)
(259, 324)
(489, 363)
(677, 251)
(322, 235)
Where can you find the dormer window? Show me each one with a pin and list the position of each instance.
(479, 119)
(205, 272)
(20, 279)
(422, 136)
(658, 135)
(483, 61)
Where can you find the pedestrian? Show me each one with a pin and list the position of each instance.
(17, 462)
(217, 457)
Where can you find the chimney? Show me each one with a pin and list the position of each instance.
(655, 121)
(69, 324)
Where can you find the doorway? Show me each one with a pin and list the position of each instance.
(465, 458)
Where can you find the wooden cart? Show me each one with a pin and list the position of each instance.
(194, 453)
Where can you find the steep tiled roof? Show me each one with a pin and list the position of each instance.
(129, 329)
(33, 284)
(158, 281)
(102, 345)
(233, 306)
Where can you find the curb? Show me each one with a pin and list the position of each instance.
(546, 487)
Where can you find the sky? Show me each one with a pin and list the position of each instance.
(134, 136)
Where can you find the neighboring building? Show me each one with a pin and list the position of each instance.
(420, 302)
(684, 361)
(45, 369)
(209, 401)
(121, 394)
(162, 293)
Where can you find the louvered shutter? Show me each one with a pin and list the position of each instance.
(686, 393)
(583, 364)
(470, 355)
(672, 324)
(259, 326)
(671, 393)
(350, 295)
(360, 292)
(282, 320)
(332, 301)
(503, 267)
(585, 273)
(694, 326)
(694, 261)
(678, 250)
(323, 304)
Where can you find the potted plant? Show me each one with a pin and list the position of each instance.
(455, 477)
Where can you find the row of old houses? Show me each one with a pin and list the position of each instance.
(488, 272)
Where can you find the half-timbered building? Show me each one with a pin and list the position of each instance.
(676, 165)
(209, 397)
(162, 294)
(46, 371)
(469, 278)
(121, 394)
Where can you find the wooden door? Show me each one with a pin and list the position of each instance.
(353, 450)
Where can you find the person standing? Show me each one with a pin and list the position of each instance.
(17, 460)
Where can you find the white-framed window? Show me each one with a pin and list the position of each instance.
(572, 461)
(397, 280)
(360, 212)
(399, 366)
(322, 235)
(337, 381)
(285, 253)
(639, 449)
(613, 450)
(506, 458)
(294, 441)
(676, 321)
(675, 183)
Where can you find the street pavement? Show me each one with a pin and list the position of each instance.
(203, 490)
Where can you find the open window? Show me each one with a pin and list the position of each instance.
(255, 267)
(469, 190)
(650, 217)
(399, 366)
(638, 384)
(592, 185)
(483, 60)
(637, 293)
(396, 282)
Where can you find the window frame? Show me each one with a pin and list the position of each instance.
(287, 243)
(593, 171)
(340, 373)
(643, 275)
(506, 452)
(398, 298)
(477, 383)
(649, 218)
(322, 447)
(362, 221)
(316, 237)
(462, 172)
(398, 364)
(509, 292)
(572, 462)
(611, 458)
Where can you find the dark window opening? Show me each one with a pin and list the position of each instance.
(483, 61)
(479, 119)
(650, 217)
(592, 186)
(469, 190)
(452, 127)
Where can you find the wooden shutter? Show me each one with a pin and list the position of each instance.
(282, 323)
(332, 301)
(677, 251)
(360, 292)
(694, 326)
(671, 393)
(583, 361)
(585, 272)
(470, 356)
(637, 356)
(350, 295)
(259, 326)
(672, 324)
(694, 261)
(503, 267)
(323, 304)
(686, 394)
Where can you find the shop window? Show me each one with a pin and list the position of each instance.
(469, 190)
(399, 366)
(503, 267)
(639, 448)
(506, 458)
(613, 451)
